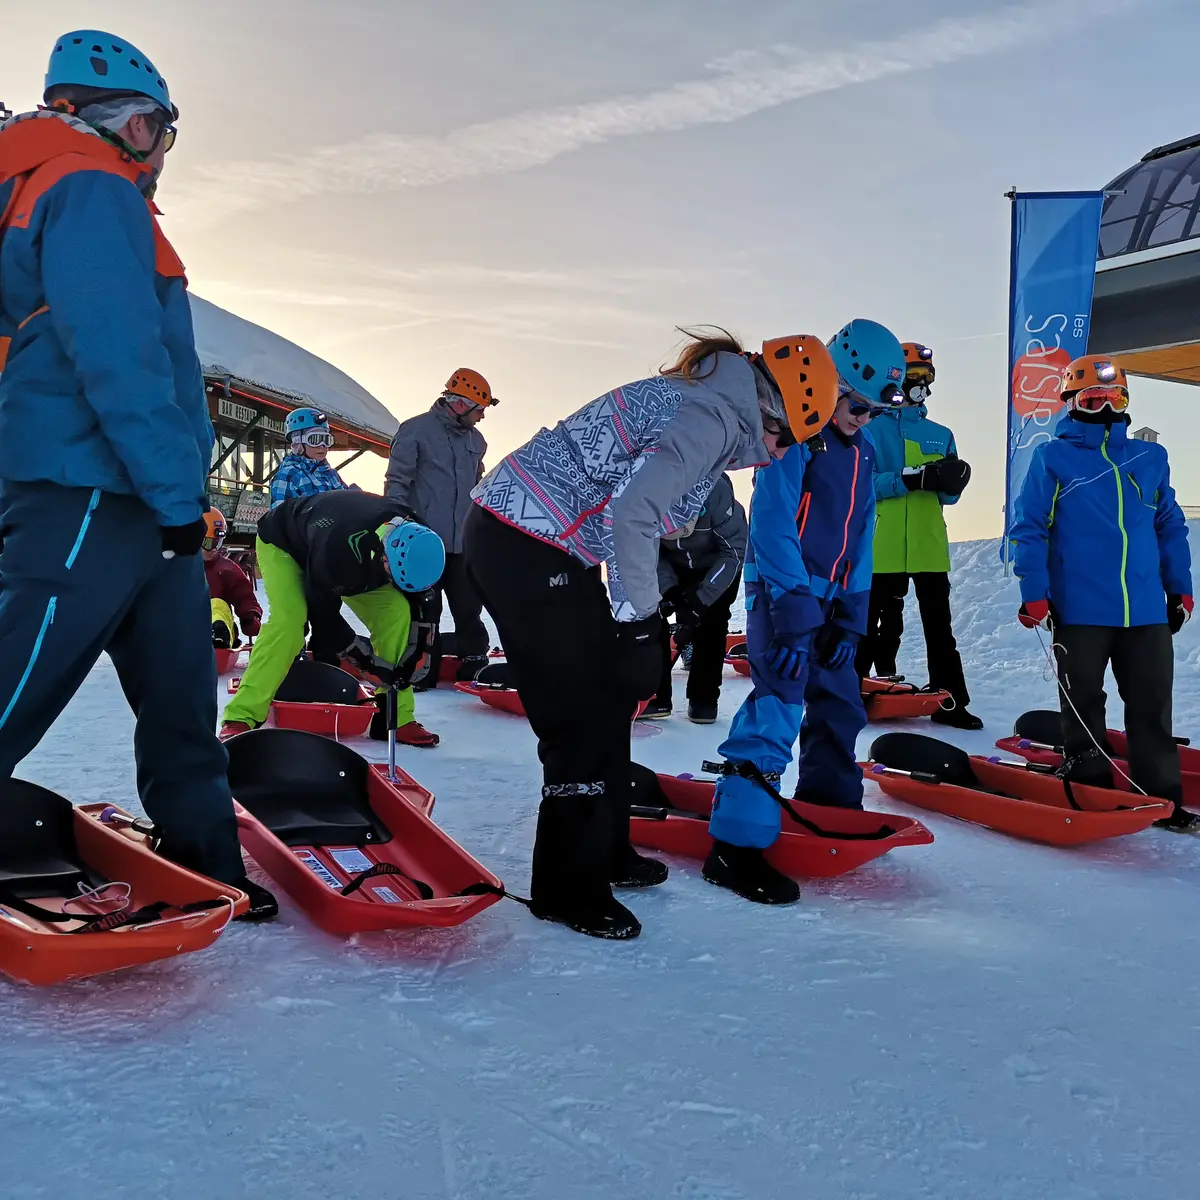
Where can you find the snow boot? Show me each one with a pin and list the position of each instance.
(263, 905)
(220, 636)
(233, 728)
(412, 734)
(702, 713)
(610, 920)
(469, 668)
(637, 871)
(1091, 769)
(656, 710)
(1180, 821)
(744, 870)
(957, 717)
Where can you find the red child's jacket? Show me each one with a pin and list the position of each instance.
(227, 581)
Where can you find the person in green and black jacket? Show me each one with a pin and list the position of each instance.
(314, 552)
(917, 473)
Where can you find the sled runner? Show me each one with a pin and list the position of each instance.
(353, 847)
(318, 698)
(1037, 738)
(1014, 798)
(894, 700)
(671, 815)
(78, 897)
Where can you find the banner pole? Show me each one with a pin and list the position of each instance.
(1011, 195)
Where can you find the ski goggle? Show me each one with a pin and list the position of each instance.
(317, 437)
(213, 543)
(460, 405)
(919, 373)
(1094, 399)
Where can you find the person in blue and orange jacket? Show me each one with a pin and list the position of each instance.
(103, 508)
(1103, 558)
(808, 586)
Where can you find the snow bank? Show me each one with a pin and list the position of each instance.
(978, 1018)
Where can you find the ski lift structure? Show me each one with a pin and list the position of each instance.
(253, 378)
(1146, 309)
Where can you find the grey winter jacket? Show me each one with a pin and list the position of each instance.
(715, 545)
(434, 464)
(633, 466)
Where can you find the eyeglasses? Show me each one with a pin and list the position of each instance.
(166, 133)
(317, 437)
(782, 433)
(864, 408)
(1093, 399)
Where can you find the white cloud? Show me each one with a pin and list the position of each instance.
(742, 84)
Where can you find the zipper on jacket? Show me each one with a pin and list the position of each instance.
(849, 515)
(1120, 522)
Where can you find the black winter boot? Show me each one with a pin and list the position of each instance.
(572, 855)
(746, 871)
(638, 871)
(957, 717)
(700, 712)
(263, 905)
(220, 635)
(1180, 821)
(1091, 769)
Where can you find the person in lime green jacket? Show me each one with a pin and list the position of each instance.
(917, 472)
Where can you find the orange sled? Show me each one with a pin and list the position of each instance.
(672, 815)
(355, 849)
(80, 896)
(1013, 798)
(509, 699)
(227, 659)
(895, 700)
(318, 698)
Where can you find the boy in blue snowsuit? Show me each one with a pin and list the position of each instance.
(808, 585)
(102, 510)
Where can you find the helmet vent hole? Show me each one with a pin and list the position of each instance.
(97, 49)
(813, 419)
(77, 41)
(99, 65)
(783, 352)
(867, 372)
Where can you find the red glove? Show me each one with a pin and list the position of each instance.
(1034, 613)
(251, 626)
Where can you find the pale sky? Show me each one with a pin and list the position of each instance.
(544, 190)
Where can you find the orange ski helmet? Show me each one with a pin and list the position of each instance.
(471, 386)
(1093, 383)
(215, 529)
(918, 362)
(803, 371)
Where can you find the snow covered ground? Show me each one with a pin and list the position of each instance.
(978, 1018)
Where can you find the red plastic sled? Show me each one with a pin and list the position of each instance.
(894, 700)
(1046, 756)
(351, 847)
(739, 662)
(799, 853)
(509, 699)
(48, 849)
(1007, 797)
(318, 698)
(227, 659)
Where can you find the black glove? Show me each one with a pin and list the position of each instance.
(640, 663)
(914, 478)
(185, 540)
(949, 475)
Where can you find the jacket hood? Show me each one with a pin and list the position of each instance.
(29, 140)
(732, 387)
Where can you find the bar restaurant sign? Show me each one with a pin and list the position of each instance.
(243, 415)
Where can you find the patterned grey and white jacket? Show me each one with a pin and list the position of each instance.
(635, 465)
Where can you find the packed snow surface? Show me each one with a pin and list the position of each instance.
(978, 1018)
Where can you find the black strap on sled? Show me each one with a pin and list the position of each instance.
(104, 922)
(385, 868)
(748, 770)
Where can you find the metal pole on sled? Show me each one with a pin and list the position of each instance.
(392, 708)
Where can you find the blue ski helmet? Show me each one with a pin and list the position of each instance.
(869, 359)
(300, 419)
(94, 59)
(415, 555)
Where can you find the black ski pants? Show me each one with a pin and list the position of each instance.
(708, 646)
(1143, 664)
(885, 627)
(82, 573)
(470, 637)
(560, 639)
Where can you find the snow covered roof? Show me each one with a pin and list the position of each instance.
(230, 346)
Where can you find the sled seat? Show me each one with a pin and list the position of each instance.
(311, 682)
(38, 855)
(306, 791)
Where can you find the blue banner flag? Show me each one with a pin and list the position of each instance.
(1051, 277)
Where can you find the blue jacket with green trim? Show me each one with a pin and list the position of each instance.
(1098, 532)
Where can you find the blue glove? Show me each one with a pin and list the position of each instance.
(842, 653)
(787, 656)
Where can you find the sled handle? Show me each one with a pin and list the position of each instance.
(661, 812)
(392, 705)
(915, 776)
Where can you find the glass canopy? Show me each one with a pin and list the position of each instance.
(1160, 203)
